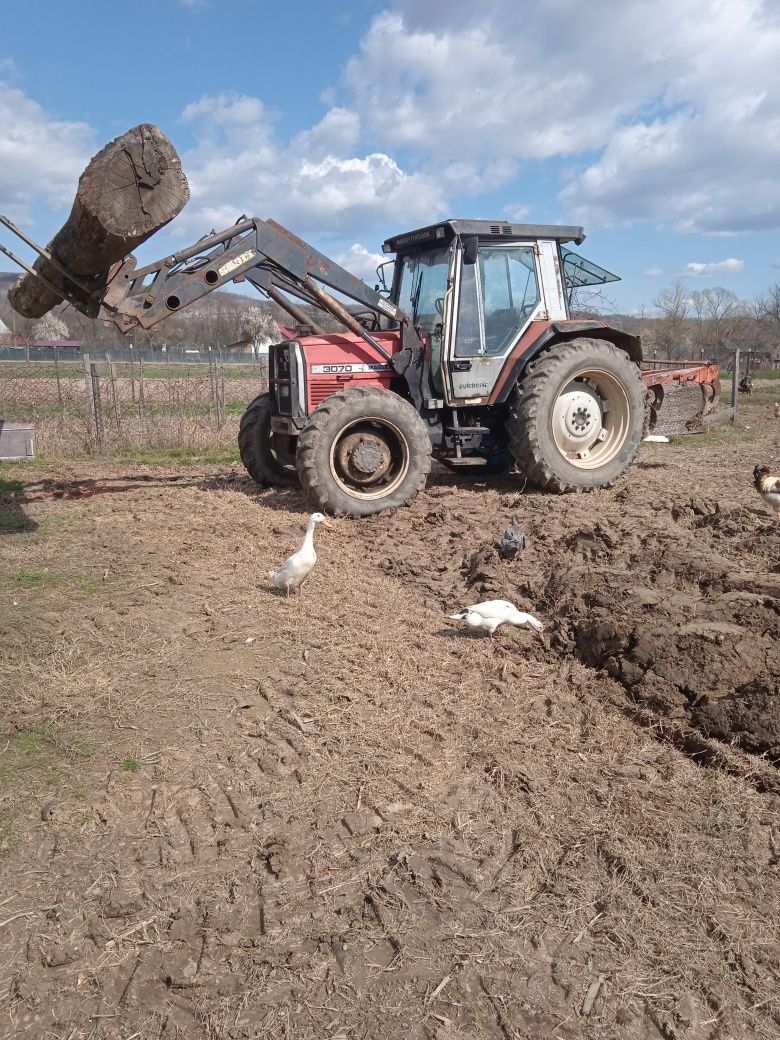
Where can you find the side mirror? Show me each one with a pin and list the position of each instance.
(470, 249)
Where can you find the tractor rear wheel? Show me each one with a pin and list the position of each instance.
(256, 446)
(576, 418)
(363, 450)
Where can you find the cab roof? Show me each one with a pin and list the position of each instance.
(445, 230)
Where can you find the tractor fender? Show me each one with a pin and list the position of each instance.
(542, 334)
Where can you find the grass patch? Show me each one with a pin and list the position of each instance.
(83, 749)
(10, 467)
(31, 742)
(28, 579)
(152, 370)
(130, 764)
(216, 455)
(10, 487)
(87, 584)
(35, 739)
(724, 434)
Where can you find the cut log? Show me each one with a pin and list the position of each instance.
(129, 190)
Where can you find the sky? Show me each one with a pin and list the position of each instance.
(655, 126)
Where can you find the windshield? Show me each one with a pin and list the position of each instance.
(423, 283)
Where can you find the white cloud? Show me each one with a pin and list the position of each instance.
(654, 272)
(361, 262)
(679, 100)
(337, 132)
(41, 157)
(314, 182)
(713, 269)
(516, 213)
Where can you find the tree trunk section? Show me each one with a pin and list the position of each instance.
(129, 190)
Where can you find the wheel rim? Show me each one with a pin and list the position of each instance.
(370, 458)
(591, 419)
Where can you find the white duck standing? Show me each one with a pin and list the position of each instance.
(294, 571)
(494, 613)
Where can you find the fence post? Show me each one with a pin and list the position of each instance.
(59, 386)
(213, 402)
(90, 399)
(132, 373)
(141, 398)
(94, 403)
(112, 374)
(221, 393)
(735, 387)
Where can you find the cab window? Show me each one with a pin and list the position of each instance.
(498, 295)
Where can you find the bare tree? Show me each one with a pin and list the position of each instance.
(716, 314)
(590, 301)
(766, 310)
(260, 327)
(50, 326)
(673, 304)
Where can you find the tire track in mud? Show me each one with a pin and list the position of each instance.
(385, 827)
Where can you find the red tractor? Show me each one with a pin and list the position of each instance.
(470, 357)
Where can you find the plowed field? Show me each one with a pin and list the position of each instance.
(225, 814)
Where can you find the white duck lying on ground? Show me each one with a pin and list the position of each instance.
(294, 571)
(494, 613)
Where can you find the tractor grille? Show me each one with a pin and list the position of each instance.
(500, 229)
(322, 387)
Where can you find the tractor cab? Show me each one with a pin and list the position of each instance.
(473, 287)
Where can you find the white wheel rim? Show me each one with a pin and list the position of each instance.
(590, 419)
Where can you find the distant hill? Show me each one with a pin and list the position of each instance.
(213, 320)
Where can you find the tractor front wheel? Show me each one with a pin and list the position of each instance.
(576, 418)
(363, 450)
(256, 447)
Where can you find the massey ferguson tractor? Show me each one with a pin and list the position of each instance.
(469, 356)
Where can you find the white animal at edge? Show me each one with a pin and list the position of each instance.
(294, 571)
(494, 613)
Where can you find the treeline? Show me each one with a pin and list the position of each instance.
(681, 323)
(705, 323)
(219, 320)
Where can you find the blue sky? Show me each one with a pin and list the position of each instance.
(655, 126)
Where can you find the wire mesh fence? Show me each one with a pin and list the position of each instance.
(99, 403)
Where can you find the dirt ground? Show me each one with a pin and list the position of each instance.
(228, 815)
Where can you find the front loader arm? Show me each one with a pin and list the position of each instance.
(262, 252)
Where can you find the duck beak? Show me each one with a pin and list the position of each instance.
(328, 524)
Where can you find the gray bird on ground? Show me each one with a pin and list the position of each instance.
(513, 541)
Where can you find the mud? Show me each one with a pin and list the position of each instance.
(226, 814)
